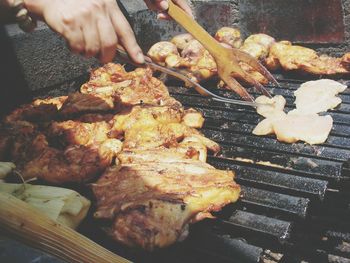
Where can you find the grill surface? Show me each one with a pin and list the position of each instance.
(295, 203)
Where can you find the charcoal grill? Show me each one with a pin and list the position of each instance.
(296, 200)
(295, 203)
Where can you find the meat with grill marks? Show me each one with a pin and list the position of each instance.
(127, 88)
(150, 201)
(80, 156)
(297, 58)
(37, 111)
(150, 127)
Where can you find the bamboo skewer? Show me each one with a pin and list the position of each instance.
(37, 230)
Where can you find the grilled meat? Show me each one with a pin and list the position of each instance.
(77, 163)
(80, 133)
(318, 96)
(78, 103)
(258, 45)
(150, 204)
(201, 64)
(150, 127)
(230, 36)
(302, 123)
(123, 88)
(182, 40)
(261, 39)
(292, 57)
(310, 128)
(161, 50)
(80, 158)
(270, 106)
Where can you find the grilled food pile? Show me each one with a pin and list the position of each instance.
(137, 146)
(187, 54)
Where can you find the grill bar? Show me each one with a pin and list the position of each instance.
(271, 227)
(290, 162)
(283, 203)
(277, 181)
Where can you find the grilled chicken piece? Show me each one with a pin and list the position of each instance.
(270, 106)
(151, 127)
(127, 88)
(81, 103)
(195, 59)
(57, 101)
(35, 158)
(318, 96)
(79, 133)
(303, 123)
(150, 204)
(310, 128)
(230, 36)
(258, 45)
(292, 127)
(161, 50)
(261, 39)
(190, 148)
(291, 57)
(193, 118)
(77, 163)
(38, 110)
(201, 64)
(181, 40)
(22, 143)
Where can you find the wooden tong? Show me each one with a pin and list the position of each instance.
(227, 60)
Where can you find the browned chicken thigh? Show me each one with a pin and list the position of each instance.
(150, 202)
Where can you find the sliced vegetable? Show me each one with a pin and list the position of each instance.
(60, 204)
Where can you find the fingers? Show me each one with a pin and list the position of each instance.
(126, 36)
(75, 39)
(108, 39)
(162, 5)
(91, 37)
(157, 5)
(93, 28)
(184, 5)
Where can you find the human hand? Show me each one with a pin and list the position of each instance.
(162, 6)
(91, 27)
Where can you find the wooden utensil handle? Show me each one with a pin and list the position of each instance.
(195, 29)
(30, 226)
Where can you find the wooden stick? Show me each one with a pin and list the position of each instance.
(37, 230)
